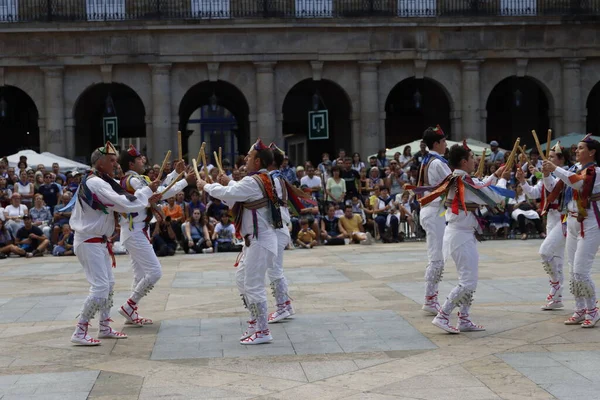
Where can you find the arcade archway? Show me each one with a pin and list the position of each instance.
(593, 111)
(18, 121)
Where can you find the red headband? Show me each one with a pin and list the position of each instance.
(465, 146)
(133, 152)
(438, 130)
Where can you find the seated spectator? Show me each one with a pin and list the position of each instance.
(14, 213)
(180, 201)
(224, 235)
(335, 189)
(312, 182)
(7, 245)
(73, 180)
(5, 192)
(197, 237)
(31, 239)
(352, 227)
(331, 232)
(195, 203)
(41, 215)
(38, 180)
(64, 247)
(386, 217)
(215, 209)
(405, 208)
(310, 212)
(306, 236)
(524, 211)
(358, 208)
(61, 217)
(24, 188)
(164, 240)
(50, 191)
(174, 213)
(351, 179)
(57, 173)
(300, 173)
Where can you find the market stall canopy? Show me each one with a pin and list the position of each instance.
(47, 159)
(475, 145)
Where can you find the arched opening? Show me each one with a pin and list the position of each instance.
(18, 121)
(309, 96)
(215, 113)
(593, 111)
(515, 107)
(107, 100)
(412, 106)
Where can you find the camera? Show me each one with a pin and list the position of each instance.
(168, 219)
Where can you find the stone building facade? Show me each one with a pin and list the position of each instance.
(265, 72)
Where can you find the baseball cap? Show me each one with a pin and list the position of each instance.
(494, 143)
(300, 168)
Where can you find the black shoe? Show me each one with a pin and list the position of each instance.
(37, 253)
(3, 256)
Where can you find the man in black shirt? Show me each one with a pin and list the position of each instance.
(50, 191)
(31, 239)
(351, 177)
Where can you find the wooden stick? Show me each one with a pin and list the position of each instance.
(481, 167)
(199, 159)
(179, 146)
(174, 182)
(220, 158)
(511, 157)
(537, 144)
(164, 164)
(548, 143)
(196, 170)
(523, 155)
(218, 162)
(205, 167)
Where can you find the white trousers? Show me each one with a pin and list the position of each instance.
(275, 270)
(580, 253)
(466, 259)
(434, 225)
(97, 265)
(552, 249)
(251, 272)
(144, 263)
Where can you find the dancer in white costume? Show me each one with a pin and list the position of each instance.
(553, 247)
(279, 284)
(583, 227)
(464, 197)
(257, 216)
(93, 220)
(134, 232)
(434, 169)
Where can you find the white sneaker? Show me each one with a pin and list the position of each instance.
(250, 330)
(259, 337)
(207, 251)
(553, 305)
(81, 337)
(290, 309)
(591, 318)
(109, 333)
(129, 312)
(577, 318)
(441, 321)
(466, 325)
(368, 241)
(278, 315)
(432, 308)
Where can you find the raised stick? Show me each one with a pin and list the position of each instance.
(174, 182)
(199, 159)
(179, 146)
(481, 167)
(205, 166)
(218, 162)
(196, 170)
(548, 143)
(164, 164)
(537, 144)
(523, 155)
(221, 158)
(511, 157)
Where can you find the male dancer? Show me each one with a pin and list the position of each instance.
(279, 285)
(93, 220)
(134, 232)
(257, 217)
(582, 197)
(434, 169)
(553, 247)
(464, 196)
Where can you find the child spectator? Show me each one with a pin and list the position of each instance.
(64, 247)
(331, 233)
(224, 234)
(307, 238)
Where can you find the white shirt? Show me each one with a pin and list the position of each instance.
(138, 183)
(533, 192)
(244, 190)
(89, 223)
(538, 165)
(12, 211)
(436, 173)
(285, 212)
(310, 182)
(564, 175)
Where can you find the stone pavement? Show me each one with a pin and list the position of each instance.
(358, 333)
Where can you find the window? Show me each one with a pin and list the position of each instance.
(8, 10)
(105, 10)
(314, 8)
(518, 7)
(210, 9)
(416, 8)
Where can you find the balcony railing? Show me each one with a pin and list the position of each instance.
(12, 11)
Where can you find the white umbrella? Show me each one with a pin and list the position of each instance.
(47, 159)
(65, 161)
(475, 145)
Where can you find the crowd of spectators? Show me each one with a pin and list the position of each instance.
(353, 201)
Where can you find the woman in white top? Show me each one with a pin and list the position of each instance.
(406, 159)
(24, 188)
(336, 187)
(524, 210)
(357, 164)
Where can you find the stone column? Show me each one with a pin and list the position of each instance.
(372, 138)
(456, 122)
(254, 134)
(163, 139)
(279, 132)
(265, 102)
(355, 127)
(471, 120)
(70, 136)
(572, 107)
(54, 140)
